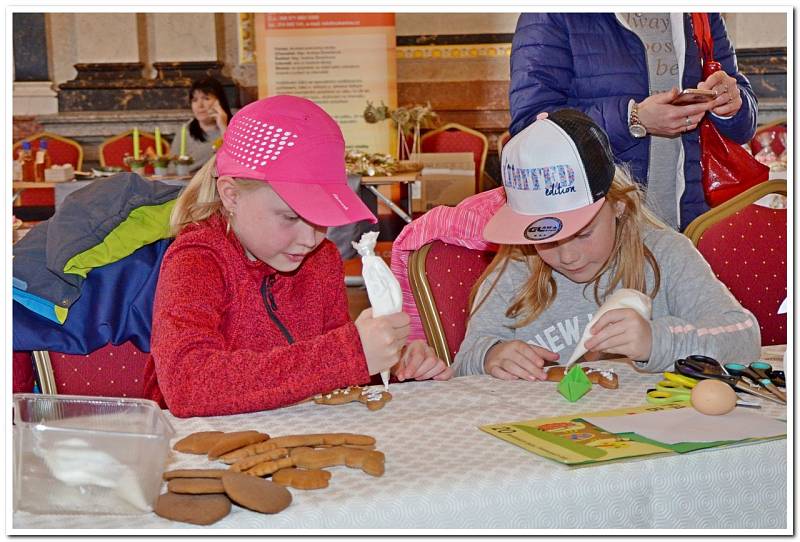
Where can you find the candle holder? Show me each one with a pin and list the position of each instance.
(161, 165)
(137, 165)
(182, 165)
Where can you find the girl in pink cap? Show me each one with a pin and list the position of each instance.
(572, 232)
(250, 311)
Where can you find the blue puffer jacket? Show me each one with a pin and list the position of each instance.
(591, 62)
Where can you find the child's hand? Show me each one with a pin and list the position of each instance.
(419, 361)
(517, 359)
(624, 332)
(382, 338)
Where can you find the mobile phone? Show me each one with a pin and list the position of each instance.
(693, 96)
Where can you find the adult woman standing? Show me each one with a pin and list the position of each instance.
(624, 70)
(211, 114)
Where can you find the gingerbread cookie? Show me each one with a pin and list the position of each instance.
(373, 397)
(193, 473)
(195, 486)
(302, 478)
(370, 461)
(197, 509)
(253, 460)
(197, 443)
(263, 496)
(606, 378)
(235, 440)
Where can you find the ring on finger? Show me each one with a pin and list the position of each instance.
(688, 122)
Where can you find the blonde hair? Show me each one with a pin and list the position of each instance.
(200, 199)
(626, 263)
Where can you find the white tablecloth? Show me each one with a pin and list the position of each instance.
(443, 472)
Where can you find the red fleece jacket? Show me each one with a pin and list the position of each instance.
(215, 349)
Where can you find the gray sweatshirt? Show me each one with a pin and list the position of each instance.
(693, 313)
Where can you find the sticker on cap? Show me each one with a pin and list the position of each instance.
(542, 229)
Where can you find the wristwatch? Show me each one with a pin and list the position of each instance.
(635, 127)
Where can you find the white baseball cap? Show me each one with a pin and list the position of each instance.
(556, 173)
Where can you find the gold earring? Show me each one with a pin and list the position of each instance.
(228, 226)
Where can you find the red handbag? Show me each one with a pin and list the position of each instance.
(728, 169)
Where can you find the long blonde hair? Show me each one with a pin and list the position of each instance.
(626, 262)
(200, 199)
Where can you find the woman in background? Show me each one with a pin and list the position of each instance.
(211, 115)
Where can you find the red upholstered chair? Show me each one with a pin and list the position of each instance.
(745, 245)
(769, 134)
(110, 371)
(113, 150)
(501, 142)
(454, 137)
(62, 150)
(441, 277)
(22, 372)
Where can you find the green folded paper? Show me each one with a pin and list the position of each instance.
(575, 384)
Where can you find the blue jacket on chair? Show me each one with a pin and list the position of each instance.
(592, 62)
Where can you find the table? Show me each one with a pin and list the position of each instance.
(370, 194)
(443, 472)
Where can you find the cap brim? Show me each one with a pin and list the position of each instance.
(324, 204)
(508, 227)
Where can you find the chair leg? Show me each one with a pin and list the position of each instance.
(44, 368)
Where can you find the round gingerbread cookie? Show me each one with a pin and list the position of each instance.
(255, 493)
(197, 509)
(195, 486)
(198, 443)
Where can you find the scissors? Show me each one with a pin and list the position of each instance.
(701, 367)
(759, 372)
(675, 389)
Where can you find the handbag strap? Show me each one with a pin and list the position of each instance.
(702, 34)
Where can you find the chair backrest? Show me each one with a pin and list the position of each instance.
(441, 277)
(501, 142)
(109, 371)
(62, 150)
(113, 150)
(773, 132)
(453, 137)
(745, 245)
(22, 372)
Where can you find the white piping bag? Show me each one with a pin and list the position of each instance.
(383, 289)
(624, 298)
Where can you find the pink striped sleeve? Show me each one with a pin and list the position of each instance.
(461, 225)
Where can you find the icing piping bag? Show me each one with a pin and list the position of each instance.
(383, 290)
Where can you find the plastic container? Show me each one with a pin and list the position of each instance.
(88, 455)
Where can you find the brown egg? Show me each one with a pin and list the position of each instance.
(713, 397)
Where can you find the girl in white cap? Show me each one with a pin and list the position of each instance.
(574, 230)
(250, 311)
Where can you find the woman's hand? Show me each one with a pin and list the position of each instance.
(729, 96)
(517, 359)
(419, 362)
(624, 332)
(218, 114)
(661, 118)
(382, 338)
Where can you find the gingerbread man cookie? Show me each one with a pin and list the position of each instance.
(607, 378)
(373, 397)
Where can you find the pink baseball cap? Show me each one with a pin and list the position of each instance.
(556, 174)
(296, 147)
